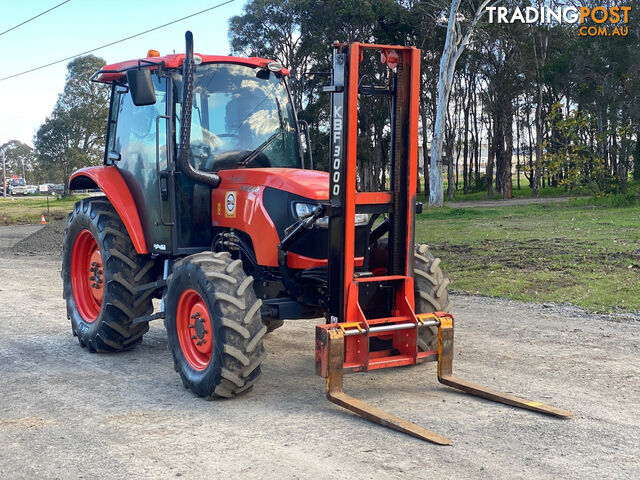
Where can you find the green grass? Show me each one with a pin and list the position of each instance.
(18, 210)
(578, 253)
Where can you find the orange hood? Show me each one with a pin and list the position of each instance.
(312, 184)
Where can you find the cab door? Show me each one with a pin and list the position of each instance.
(138, 147)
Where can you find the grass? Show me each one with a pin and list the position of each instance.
(17, 210)
(577, 253)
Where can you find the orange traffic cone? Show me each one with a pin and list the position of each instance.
(42, 220)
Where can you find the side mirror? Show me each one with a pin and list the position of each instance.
(141, 87)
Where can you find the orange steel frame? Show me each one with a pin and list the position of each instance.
(397, 202)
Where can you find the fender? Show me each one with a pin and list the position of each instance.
(110, 181)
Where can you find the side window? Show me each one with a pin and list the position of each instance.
(135, 135)
(113, 117)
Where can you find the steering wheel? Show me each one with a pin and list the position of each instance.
(199, 153)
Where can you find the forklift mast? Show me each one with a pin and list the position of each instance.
(399, 202)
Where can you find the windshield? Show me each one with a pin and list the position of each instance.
(241, 117)
(18, 182)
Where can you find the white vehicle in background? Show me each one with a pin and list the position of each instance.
(17, 186)
(32, 189)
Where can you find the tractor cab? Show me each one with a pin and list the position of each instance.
(241, 118)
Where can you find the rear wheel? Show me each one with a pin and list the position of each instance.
(431, 295)
(100, 271)
(430, 287)
(213, 325)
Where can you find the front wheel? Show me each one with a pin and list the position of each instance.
(213, 325)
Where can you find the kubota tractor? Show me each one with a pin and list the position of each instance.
(210, 206)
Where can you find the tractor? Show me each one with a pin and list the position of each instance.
(211, 204)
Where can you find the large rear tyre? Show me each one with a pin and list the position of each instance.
(100, 270)
(430, 287)
(213, 325)
(431, 295)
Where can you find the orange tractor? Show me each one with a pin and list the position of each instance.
(212, 206)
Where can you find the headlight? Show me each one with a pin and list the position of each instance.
(305, 209)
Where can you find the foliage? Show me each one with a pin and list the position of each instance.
(20, 160)
(73, 136)
(571, 154)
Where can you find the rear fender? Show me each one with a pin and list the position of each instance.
(110, 181)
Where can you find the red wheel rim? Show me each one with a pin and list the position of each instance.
(194, 329)
(87, 279)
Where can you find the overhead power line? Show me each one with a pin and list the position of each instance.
(117, 41)
(33, 18)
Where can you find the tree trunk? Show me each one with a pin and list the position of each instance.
(518, 146)
(465, 181)
(507, 182)
(535, 190)
(425, 150)
(490, 159)
(636, 157)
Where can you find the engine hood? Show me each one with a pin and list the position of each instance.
(311, 184)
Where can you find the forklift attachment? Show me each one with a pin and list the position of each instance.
(330, 362)
(445, 370)
(336, 395)
(371, 313)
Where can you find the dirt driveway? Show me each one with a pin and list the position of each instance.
(65, 413)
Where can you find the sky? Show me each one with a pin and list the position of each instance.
(81, 25)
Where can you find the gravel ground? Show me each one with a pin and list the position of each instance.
(65, 413)
(46, 240)
(10, 235)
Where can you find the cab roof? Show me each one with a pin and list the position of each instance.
(117, 71)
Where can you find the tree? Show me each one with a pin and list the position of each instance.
(73, 136)
(20, 159)
(455, 43)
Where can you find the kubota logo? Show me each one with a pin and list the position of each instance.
(230, 204)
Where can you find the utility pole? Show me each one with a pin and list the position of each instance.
(4, 175)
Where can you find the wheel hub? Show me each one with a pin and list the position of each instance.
(87, 276)
(96, 275)
(194, 329)
(200, 329)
